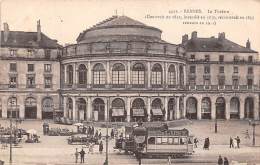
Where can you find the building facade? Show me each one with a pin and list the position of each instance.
(122, 70)
(30, 74)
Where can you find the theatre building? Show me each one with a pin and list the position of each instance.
(121, 70)
(222, 78)
(30, 74)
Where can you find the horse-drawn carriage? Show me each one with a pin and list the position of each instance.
(82, 139)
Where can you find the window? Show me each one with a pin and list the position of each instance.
(221, 69)
(69, 74)
(235, 69)
(250, 70)
(221, 58)
(82, 74)
(159, 140)
(207, 58)
(236, 58)
(249, 82)
(164, 140)
(182, 141)
(47, 82)
(13, 52)
(12, 81)
(13, 67)
(30, 81)
(151, 140)
(47, 67)
(221, 81)
(30, 67)
(206, 81)
(235, 82)
(250, 58)
(171, 75)
(192, 81)
(175, 140)
(192, 69)
(118, 74)
(192, 56)
(99, 74)
(157, 74)
(47, 53)
(206, 69)
(138, 74)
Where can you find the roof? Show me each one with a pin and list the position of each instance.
(117, 21)
(215, 45)
(28, 40)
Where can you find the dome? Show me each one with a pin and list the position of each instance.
(118, 27)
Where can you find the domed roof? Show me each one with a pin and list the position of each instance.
(119, 26)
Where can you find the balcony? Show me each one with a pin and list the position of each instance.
(30, 86)
(223, 87)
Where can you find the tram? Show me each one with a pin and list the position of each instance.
(156, 142)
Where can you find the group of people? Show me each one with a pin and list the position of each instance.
(222, 161)
(231, 142)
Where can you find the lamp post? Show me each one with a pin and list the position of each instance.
(253, 123)
(216, 121)
(106, 161)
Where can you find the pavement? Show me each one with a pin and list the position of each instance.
(55, 150)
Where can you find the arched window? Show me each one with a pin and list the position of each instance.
(156, 75)
(12, 108)
(70, 108)
(30, 102)
(82, 74)
(171, 76)
(157, 104)
(181, 72)
(82, 109)
(12, 102)
(234, 108)
(99, 75)
(206, 108)
(138, 75)
(70, 74)
(191, 108)
(118, 75)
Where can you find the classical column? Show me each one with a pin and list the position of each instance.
(128, 72)
(184, 74)
(166, 107)
(21, 107)
(256, 108)
(177, 112)
(65, 110)
(242, 108)
(149, 108)
(213, 108)
(199, 108)
(148, 74)
(89, 78)
(164, 80)
(108, 73)
(89, 109)
(227, 109)
(177, 74)
(128, 106)
(74, 110)
(65, 74)
(184, 107)
(75, 78)
(39, 108)
(106, 107)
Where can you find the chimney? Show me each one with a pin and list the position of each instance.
(248, 44)
(221, 36)
(193, 35)
(39, 33)
(185, 38)
(6, 32)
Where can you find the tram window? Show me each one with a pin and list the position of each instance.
(151, 140)
(164, 140)
(182, 141)
(175, 140)
(170, 140)
(158, 140)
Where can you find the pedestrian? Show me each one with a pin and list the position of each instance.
(238, 141)
(82, 155)
(247, 134)
(169, 160)
(206, 143)
(231, 143)
(99, 136)
(112, 133)
(195, 143)
(92, 130)
(220, 160)
(100, 147)
(226, 161)
(84, 130)
(76, 155)
(96, 134)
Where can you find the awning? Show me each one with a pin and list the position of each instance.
(118, 112)
(157, 112)
(138, 112)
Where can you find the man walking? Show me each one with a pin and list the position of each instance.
(100, 147)
(82, 155)
(76, 155)
(231, 143)
(220, 160)
(195, 143)
(238, 141)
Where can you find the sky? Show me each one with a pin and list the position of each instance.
(65, 19)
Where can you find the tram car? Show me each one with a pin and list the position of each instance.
(153, 142)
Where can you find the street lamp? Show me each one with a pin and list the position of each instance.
(106, 161)
(253, 123)
(216, 121)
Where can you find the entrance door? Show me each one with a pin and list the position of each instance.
(220, 108)
(30, 108)
(99, 109)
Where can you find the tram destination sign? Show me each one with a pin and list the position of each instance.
(183, 132)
